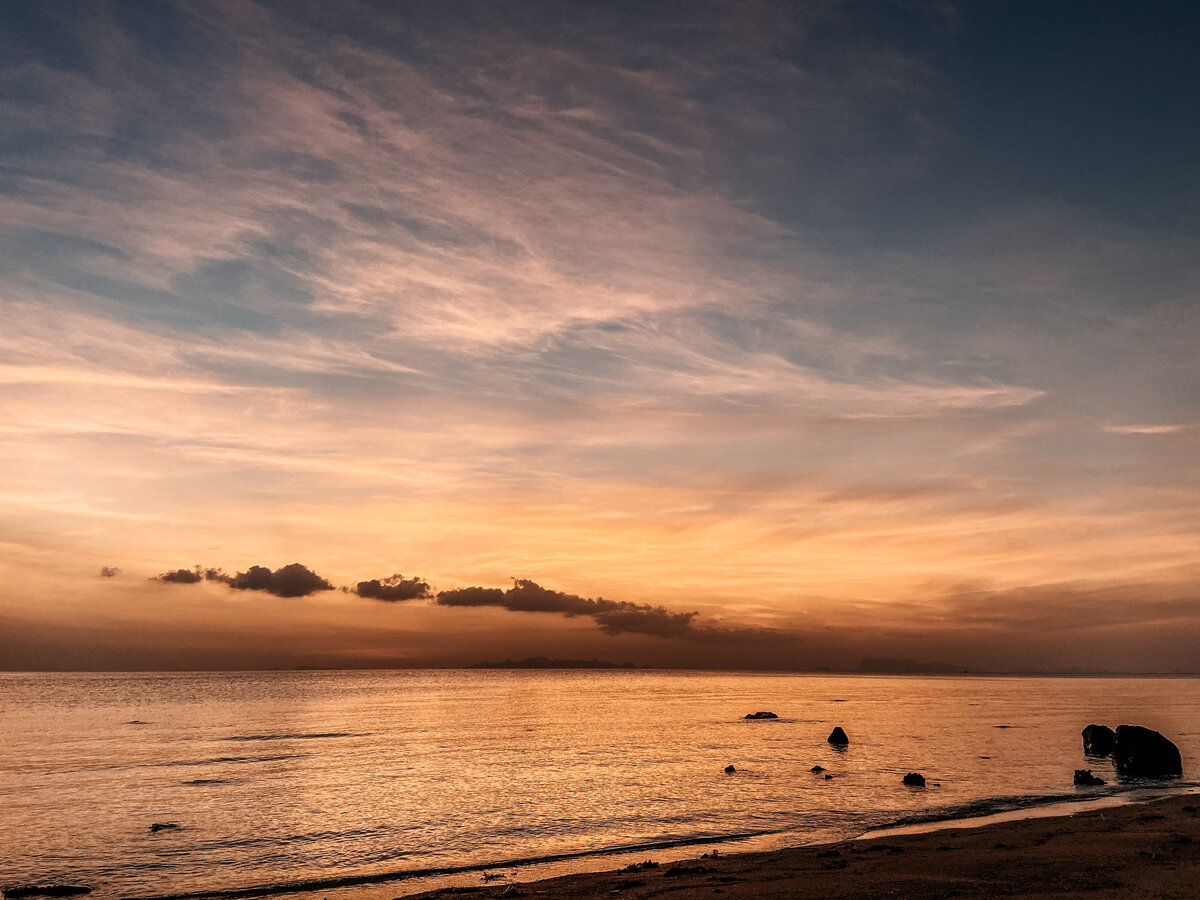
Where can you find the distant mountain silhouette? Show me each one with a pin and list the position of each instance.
(892, 666)
(541, 662)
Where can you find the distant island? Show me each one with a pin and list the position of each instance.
(892, 666)
(541, 662)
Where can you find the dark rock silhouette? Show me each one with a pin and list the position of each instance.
(46, 890)
(729, 770)
(817, 770)
(1142, 753)
(1098, 740)
(838, 736)
(828, 777)
(914, 779)
(1085, 778)
(761, 715)
(163, 826)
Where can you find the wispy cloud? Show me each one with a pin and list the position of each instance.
(620, 296)
(1143, 429)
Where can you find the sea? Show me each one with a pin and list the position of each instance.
(374, 784)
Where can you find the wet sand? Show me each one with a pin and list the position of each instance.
(1137, 850)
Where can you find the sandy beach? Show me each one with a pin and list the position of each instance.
(1136, 850)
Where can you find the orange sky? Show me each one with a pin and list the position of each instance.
(511, 303)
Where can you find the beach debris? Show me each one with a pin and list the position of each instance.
(512, 891)
(164, 826)
(1098, 740)
(46, 890)
(641, 866)
(729, 770)
(914, 779)
(817, 770)
(838, 737)
(492, 876)
(716, 854)
(1143, 753)
(1085, 778)
(761, 715)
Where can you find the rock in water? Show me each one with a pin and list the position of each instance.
(164, 826)
(817, 770)
(914, 779)
(1098, 740)
(838, 736)
(729, 770)
(1085, 778)
(1142, 753)
(761, 715)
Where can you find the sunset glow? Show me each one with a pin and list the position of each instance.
(779, 314)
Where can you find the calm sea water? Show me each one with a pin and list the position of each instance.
(280, 777)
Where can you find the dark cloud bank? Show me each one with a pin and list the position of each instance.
(613, 616)
(294, 580)
(393, 589)
(1125, 628)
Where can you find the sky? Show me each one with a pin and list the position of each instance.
(749, 335)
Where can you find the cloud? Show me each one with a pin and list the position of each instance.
(613, 616)
(109, 571)
(294, 580)
(1143, 429)
(182, 576)
(394, 588)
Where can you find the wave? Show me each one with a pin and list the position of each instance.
(295, 737)
(1015, 803)
(207, 781)
(341, 881)
(216, 760)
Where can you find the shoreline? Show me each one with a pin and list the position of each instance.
(584, 872)
(1141, 847)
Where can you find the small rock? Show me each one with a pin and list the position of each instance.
(1085, 778)
(914, 779)
(729, 770)
(837, 736)
(817, 770)
(761, 715)
(828, 777)
(164, 826)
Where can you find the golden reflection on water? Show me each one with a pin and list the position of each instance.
(290, 775)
